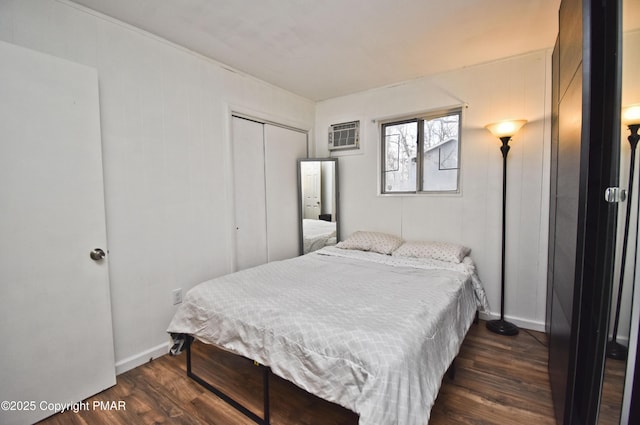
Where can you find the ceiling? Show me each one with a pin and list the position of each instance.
(320, 49)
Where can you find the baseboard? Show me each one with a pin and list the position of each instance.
(139, 359)
(521, 323)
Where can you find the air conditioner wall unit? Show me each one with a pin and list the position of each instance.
(344, 136)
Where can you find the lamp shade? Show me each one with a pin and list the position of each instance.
(505, 128)
(631, 115)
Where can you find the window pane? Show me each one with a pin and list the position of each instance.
(440, 153)
(400, 150)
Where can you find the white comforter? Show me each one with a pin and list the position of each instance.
(371, 332)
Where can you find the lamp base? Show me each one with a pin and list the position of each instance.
(502, 327)
(616, 351)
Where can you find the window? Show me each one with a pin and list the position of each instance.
(421, 154)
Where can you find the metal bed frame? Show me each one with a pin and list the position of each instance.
(266, 371)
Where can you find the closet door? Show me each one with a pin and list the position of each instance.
(283, 147)
(265, 189)
(249, 192)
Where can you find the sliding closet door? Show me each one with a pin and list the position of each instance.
(249, 191)
(265, 187)
(283, 147)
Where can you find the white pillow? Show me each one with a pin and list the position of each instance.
(371, 241)
(443, 251)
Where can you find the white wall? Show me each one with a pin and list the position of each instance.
(166, 153)
(517, 87)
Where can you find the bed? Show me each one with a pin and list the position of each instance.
(318, 234)
(370, 331)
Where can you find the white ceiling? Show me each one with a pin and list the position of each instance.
(321, 49)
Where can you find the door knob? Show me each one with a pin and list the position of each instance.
(97, 254)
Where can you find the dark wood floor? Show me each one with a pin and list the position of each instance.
(499, 380)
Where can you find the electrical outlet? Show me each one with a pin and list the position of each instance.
(177, 296)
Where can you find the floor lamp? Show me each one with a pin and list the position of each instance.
(504, 131)
(631, 117)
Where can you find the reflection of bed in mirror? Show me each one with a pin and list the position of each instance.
(318, 203)
(317, 234)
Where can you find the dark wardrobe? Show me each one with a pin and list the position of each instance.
(585, 152)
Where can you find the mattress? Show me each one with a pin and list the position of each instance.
(371, 332)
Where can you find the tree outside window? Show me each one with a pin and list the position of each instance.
(436, 168)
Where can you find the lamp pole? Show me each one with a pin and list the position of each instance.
(501, 326)
(615, 350)
(504, 131)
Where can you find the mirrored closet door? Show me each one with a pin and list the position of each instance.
(582, 225)
(621, 354)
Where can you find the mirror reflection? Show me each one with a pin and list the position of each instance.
(318, 197)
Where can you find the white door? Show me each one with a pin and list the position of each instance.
(311, 189)
(55, 314)
(283, 148)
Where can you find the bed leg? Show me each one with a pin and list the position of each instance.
(265, 373)
(188, 341)
(477, 318)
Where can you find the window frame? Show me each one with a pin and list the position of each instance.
(419, 120)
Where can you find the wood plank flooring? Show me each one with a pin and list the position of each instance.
(612, 390)
(499, 380)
